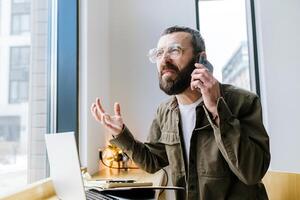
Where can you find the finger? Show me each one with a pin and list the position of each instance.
(98, 115)
(92, 107)
(117, 109)
(202, 77)
(197, 84)
(94, 112)
(200, 70)
(100, 112)
(99, 106)
(200, 66)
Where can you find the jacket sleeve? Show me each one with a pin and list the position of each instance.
(243, 140)
(150, 156)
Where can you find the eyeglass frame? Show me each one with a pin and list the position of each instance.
(154, 58)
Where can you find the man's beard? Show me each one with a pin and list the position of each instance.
(181, 82)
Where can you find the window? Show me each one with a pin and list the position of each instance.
(35, 96)
(10, 128)
(9, 139)
(18, 78)
(20, 16)
(226, 26)
(23, 92)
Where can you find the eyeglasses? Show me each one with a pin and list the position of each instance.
(174, 51)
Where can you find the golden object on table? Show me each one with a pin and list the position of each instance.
(113, 157)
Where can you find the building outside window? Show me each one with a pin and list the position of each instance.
(236, 70)
(226, 26)
(23, 92)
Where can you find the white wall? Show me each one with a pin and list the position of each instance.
(94, 76)
(135, 26)
(115, 37)
(278, 37)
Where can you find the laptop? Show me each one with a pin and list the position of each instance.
(65, 169)
(67, 179)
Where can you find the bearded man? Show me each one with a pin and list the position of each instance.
(210, 134)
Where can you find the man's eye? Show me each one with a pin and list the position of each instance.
(159, 53)
(174, 50)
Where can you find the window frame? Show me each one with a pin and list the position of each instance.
(67, 67)
(65, 74)
(63, 93)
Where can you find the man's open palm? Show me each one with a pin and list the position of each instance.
(112, 123)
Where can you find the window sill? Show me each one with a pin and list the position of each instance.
(39, 190)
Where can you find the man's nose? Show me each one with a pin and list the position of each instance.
(165, 58)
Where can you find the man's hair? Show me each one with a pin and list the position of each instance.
(197, 40)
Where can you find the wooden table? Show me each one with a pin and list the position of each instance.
(45, 190)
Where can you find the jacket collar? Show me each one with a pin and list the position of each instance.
(173, 104)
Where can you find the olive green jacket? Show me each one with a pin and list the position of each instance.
(225, 162)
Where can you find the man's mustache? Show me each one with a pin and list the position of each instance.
(170, 66)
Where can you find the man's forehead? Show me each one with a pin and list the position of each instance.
(182, 38)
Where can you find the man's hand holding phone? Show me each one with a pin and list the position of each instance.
(113, 123)
(203, 81)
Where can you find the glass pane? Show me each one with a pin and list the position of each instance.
(20, 57)
(19, 69)
(223, 25)
(25, 23)
(20, 16)
(23, 92)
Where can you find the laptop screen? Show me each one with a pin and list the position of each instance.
(64, 165)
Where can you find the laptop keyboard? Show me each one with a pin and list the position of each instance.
(95, 195)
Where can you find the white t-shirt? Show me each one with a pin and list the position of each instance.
(188, 121)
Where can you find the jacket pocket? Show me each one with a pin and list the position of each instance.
(210, 161)
(171, 140)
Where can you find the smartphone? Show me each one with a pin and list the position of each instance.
(202, 60)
